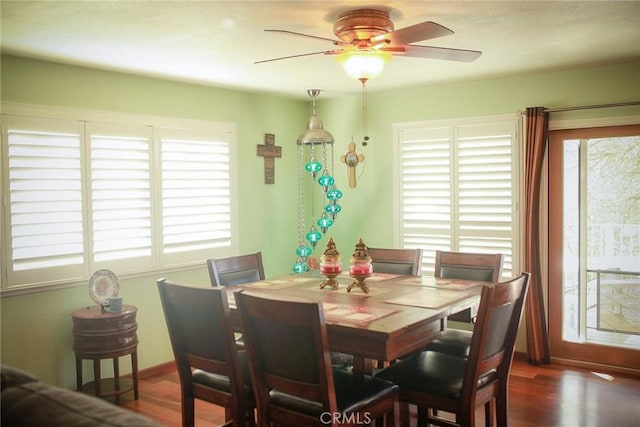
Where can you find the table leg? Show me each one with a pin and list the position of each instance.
(96, 377)
(116, 376)
(362, 366)
(78, 374)
(134, 373)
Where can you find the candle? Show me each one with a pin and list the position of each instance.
(361, 269)
(330, 268)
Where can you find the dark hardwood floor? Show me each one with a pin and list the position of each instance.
(549, 395)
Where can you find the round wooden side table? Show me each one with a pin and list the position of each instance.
(106, 335)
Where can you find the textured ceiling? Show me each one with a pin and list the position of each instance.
(217, 42)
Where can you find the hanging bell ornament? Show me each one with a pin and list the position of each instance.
(324, 222)
(300, 266)
(313, 166)
(303, 251)
(333, 193)
(326, 180)
(333, 209)
(313, 236)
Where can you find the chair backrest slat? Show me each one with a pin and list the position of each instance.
(466, 265)
(396, 261)
(236, 270)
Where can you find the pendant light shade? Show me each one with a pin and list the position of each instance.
(315, 133)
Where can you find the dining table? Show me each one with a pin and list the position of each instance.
(399, 314)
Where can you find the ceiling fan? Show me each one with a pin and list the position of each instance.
(371, 30)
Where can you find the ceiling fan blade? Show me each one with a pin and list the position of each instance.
(432, 52)
(323, 52)
(293, 33)
(414, 33)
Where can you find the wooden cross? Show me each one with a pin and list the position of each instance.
(351, 159)
(269, 151)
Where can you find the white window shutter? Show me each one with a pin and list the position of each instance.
(196, 194)
(45, 195)
(485, 191)
(120, 182)
(133, 194)
(457, 188)
(427, 204)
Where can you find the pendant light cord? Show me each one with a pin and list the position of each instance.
(364, 107)
(301, 218)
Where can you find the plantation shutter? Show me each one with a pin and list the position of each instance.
(86, 191)
(45, 195)
(426, 188)
(457, 189)
(485, 190)
(196, 193)
(120, 182)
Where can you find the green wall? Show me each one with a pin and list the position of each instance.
(36, 328)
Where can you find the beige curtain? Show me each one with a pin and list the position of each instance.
(537, 133)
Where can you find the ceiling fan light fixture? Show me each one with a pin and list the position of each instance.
(363, 64)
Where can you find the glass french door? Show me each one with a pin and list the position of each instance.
(594, 245)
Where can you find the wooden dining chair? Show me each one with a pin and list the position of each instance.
(293, 381)
(209, 366)
(437, 382)
(236, 270)
(470, 266)
(463, 265)
(396, 261)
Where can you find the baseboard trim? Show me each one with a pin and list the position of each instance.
(597, 367)
(163, 368)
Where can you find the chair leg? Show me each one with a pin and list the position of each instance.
(188, 410)
(488, 414)
(502, 405)
(422, 416)
(466, 418)
(393, 418)
(404, 414)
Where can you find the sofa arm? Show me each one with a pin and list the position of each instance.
(26, 401)
(13, 376)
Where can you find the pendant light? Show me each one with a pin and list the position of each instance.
(321, 173)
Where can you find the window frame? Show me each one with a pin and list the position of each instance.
(516, 123)
(89, 117)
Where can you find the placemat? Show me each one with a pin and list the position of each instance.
(280, 283)
(347, 313)
(440, 283)
(428, 298)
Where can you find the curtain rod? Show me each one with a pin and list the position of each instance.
(589, 107)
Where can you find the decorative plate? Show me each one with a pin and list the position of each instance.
(103, 285)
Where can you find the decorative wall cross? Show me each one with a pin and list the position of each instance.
(269, 150)
(351, 159)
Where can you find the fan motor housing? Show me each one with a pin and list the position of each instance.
(362, 24)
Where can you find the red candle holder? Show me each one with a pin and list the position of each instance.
(361, 267)
(326, 267)
(330, 269)
(364, 269)
(330, 265)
